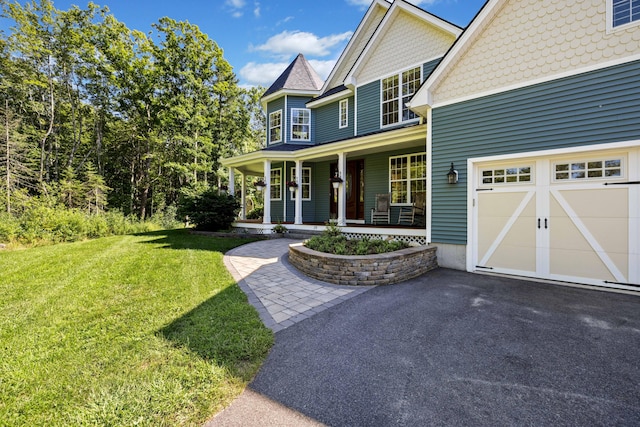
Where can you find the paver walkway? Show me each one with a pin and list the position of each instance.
(282, 295)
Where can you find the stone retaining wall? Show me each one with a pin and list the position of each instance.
(364, 270)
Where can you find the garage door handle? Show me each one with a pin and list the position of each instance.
(545, 223)
(538, 223)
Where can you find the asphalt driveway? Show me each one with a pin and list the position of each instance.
(453, 348)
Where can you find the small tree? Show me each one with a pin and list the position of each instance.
(209, 210)
(95, 190)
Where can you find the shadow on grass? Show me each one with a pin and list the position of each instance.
(181, 238)
(225, 330)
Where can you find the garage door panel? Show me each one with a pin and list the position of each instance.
(495, 212)
(566, 264)
(590, 233)
(517, 249)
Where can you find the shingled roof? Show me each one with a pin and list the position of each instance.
(299, 75)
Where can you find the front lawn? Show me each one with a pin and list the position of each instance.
(128, 330)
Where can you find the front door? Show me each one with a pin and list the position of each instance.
(354, 187)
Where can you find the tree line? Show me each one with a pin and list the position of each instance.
(99, 116)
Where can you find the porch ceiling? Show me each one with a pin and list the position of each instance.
(398, 139)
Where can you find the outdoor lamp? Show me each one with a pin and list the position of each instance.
(452, 175)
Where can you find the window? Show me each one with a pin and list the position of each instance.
(304, 183)
(507, 175)
(275, 126)
(300, 124)
(594, 169)
(623, 12)
(344, 113)
(276, 184)
(407, 176)
(396, 92)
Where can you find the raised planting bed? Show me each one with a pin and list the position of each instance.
(364, 270)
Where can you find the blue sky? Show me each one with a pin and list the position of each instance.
(261, 37)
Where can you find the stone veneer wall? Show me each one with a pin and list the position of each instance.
(364, 270)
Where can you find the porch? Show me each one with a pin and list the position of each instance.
(415, 235)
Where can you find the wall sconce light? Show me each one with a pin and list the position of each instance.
(452, 175)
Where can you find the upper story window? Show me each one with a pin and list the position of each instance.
(397, 90)
(623, 12)
(300, 124)
(344, 113)
(275, 126)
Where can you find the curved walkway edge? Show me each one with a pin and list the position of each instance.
(282, 295)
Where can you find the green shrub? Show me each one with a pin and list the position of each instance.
(256, 213)
(334, 242)
(9, 228)
(209, 210)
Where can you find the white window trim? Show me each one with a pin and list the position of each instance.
(269, 134)
(400, 96)
(623, 169)
(343, 107)
(279, 170)
(293, 124)
(293, 173)
(408, 179)
(610, 27)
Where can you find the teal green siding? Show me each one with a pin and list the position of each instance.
(275, 105)
(321, 192)
(298, 102)
(369, 113)
(598, 107)
(428, 67)
(368, 108)
(327, 122)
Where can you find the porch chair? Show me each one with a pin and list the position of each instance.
(414, 214)
(381, 212)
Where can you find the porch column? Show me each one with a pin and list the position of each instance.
(232, 184)
(298, 208)
(243, 196)
(266, 218)
(342, 193)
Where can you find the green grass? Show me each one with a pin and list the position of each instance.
(128, 330)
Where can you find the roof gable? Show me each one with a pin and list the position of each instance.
(298, 76)
(513, 43)
(375, 14)
(407, 35)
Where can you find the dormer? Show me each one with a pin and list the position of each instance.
(289, 121)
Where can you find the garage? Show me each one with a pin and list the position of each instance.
(571, 217)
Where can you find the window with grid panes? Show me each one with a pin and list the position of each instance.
(407, 176)
(276, 184)
(397, 90)
(275, 126)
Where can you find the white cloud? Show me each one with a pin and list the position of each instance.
(323, 68)
(293, 42)
(254, 74)
(236, 7)
(238, 4)
(367, 3)
(256, 10)
(262, 74)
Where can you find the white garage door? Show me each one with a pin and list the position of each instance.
(572, 218)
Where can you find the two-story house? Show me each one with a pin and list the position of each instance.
(355, 126)
(523, 131)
